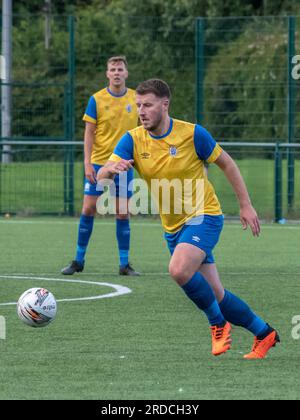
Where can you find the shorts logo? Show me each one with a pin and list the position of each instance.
(145, 155)
(173, 151)
(196, 238)
(129, 108)
(87, 187)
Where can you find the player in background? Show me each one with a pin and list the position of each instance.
(109, 114)
(177, 150)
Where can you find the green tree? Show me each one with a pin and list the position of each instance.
(245, 85)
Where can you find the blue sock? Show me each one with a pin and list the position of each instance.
(123, 238)
(200, 292)
(84, 232)
(239, 313)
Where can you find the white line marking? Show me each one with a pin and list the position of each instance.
(72, 222)
(228, 223)
(112, 274)
(120, 290)
(165, 273)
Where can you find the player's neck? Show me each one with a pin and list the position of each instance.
(162, 128)
(117, 90)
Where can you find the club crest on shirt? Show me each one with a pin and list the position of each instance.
(128, 108)
(173, 151)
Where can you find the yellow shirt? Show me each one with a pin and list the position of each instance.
(179, 157)
(113, 116)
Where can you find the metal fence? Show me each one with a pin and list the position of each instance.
(233, 75)
(43, 179)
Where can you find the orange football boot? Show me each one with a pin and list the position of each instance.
(221, 340)
(262, 346)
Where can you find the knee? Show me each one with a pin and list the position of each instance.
(89, 210)
(122, 216)
(219, 293)
(179, 273)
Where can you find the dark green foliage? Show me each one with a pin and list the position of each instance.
(158, 39)
(246, 83)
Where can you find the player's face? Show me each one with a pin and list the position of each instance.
(152, 110)
(116, 74)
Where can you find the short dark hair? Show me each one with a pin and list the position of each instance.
(117, 58)
(156, 86)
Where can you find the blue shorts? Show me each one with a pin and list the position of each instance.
(121, 188)
(203, 235)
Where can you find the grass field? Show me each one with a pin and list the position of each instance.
(151, 343)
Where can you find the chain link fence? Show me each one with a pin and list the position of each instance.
(53, 184)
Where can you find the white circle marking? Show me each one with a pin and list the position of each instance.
(120, 290)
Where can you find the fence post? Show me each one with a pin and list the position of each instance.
(1, 167)
(278, 184)
(66, 138)
(291, 112)
(71, 114)
(200, 25)
(6, 86)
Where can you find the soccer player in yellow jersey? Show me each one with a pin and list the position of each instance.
(167, 149)
(110, 113)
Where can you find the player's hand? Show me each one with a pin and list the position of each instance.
(121, 166)
(90, 173)
(249, 217)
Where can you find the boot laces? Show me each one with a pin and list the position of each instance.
(217, 332)
(256, 344)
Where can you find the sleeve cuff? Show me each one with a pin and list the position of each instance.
(215, 154)
(115, 158)
(89, 119)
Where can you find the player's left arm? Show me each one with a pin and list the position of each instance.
(209, 151)
(248, 214)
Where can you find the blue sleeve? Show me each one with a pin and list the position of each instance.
(91, 109)
(124, 149)
(204, 143)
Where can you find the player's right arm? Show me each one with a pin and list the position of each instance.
(89, 138)
(120, 161)
(90, 118)
(111, 169)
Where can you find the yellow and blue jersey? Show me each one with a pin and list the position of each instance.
(179, 154)
(113, 115)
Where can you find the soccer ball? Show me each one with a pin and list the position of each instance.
(37, 307)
